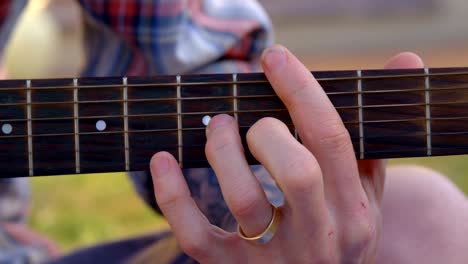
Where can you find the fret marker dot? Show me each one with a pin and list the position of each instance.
(101, 125)
(7, 129)
(206, 120)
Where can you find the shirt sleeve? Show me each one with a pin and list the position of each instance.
(10, 10)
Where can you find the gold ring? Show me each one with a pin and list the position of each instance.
(266, 235)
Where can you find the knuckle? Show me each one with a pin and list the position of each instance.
(304, 174)
(197, 247)
(221, 143)
(171, 202)
(336, 138)
(303, 84)
(245, 205)
(360, 234)
(262, 126)
(326, 255)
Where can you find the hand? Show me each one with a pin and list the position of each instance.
(3, 72)
(330, 214)
(27, 237)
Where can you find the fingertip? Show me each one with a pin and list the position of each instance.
(405, 60)
(274, 58)
(3, 72)
(168, 180)
(161, 164)
(219, 121)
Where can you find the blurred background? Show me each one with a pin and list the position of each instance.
(82, 210)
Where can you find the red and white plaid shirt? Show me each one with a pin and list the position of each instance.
(142, 37)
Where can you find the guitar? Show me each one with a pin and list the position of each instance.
(87, 125)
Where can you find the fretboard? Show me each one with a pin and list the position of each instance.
(87, 125)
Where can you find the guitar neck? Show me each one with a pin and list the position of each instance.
(87, 125)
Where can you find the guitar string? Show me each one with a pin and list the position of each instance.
(340, 109)
(229, 97)
(386, 153)
(229, 86)
(202, 129)
(264, 80)
(270, 112)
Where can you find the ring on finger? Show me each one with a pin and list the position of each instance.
(266, 235)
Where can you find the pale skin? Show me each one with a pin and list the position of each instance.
(335, 210)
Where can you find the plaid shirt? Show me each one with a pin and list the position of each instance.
(143, 37)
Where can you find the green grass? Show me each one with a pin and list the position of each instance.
(455, 167)
(82, 210)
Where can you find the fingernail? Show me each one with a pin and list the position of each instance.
(160, 165)
(274, 58)
(218, 121)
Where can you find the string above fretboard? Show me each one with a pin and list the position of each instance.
(59, 126)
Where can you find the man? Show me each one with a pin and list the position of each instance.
(333, 205)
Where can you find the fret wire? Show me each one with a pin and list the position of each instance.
(234, 94)
(253, 82)
(428, 112)
(179, 121)
(29, 116)
(224, 97)
(360, 116)
(125, 109)
(76, 127)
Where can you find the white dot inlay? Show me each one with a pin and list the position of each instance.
(7, 129)
(101, 125)
(206, 120)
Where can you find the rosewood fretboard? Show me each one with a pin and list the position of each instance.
(66, 126)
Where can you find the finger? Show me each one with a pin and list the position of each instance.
(319, 126)
(3, 72)
(241, 189)
(30, 238)
(293, 167)
(190, 226)
(405, 60)
(372, 174)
